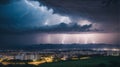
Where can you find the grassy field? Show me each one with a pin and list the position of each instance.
(92, 62)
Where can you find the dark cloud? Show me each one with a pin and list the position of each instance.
(29, 22)
(12, 19)
(60, 28)
(103, 11)
(29, 16)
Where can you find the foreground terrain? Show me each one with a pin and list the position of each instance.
(98, 61)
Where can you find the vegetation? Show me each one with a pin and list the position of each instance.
(93, 62)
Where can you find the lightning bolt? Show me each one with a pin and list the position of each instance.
(89, 38)
(63, 39)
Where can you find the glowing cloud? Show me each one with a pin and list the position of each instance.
(84, 22)
(28, 14)
(51, 19)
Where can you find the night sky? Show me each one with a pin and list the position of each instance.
(59, 21)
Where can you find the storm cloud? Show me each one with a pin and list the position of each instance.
(22, 15)
(59, 21)
(63, 27)
(101, 10)
(105, 12)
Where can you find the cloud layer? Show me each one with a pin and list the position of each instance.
(25, 14)
(22, 15)
(104, 12)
